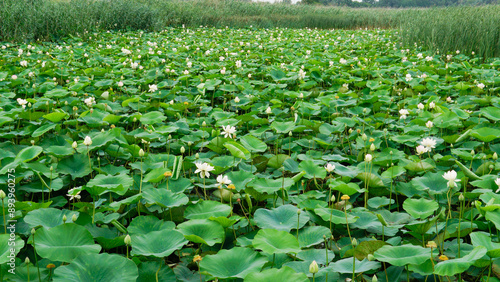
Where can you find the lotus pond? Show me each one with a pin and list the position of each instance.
(248, 154)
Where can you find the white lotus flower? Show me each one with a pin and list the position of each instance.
(238, 64)
(22, 102)
(23, 63)
(368, 158)
(221, 180)
(120, 84)
(343, 61)
(185, 72)
(153, 88)
(408, 77)
(203, 169)
(228, 131)
(429, 124)
(449, 100)
(451, 176)
(421, 150)
(14, 77)
(497, 182)
(269, 111)
(432, 105)
(302, 74)
(420, 106)
(329, 167)
(89, 101)
(429, 143)
(481, 85)
(87, 141)
(236, 100)
(72, 195)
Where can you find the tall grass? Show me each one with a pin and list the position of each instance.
(447, 29)
(467, 29)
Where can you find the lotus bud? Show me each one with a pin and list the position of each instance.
(127, 240)
(313, 267)
(350, 130)
(374, 279)
(290, 133)
(183, 150)
(370, 257)
(169, 137)
(64, 218)
(2, 195)
(364, 137)
(27, 260)
(190, 143)
(354, 242)
(32, 142)
(299, 211)
(33, 231)
(197, 156)
(204, 124)
(332, 199)
(51, 168)
(461, 197)
(472, 152)
(495, 156)
(491, 167)
(372, 147)
(74, 218)
(141, 153)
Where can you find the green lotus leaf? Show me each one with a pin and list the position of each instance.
(98, 267)
(403, 255)
(237, 150)
(202, 231)
(65, 242)
(118, 184)
(253, 144)
(335, 216)
(6, 245)
(283, 218)
(76, 166)
(318, 255)
(454, 266)
(486, 134)
(152, 118)
(157, 243)
(271, 186)
(312, 170)
(420, 208)
(312, 235)
(484, 239)
(150, 270)
(164, 198)
(283, 274)
(234, 263)
(207, 209)
(48, 217)
(272, 241)
(346, 265)
(142, 225)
